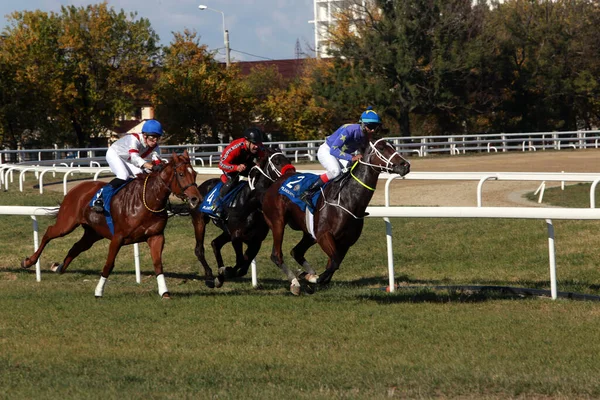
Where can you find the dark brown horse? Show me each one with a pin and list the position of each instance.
(339, 213)
(138, 211)
(245, 223)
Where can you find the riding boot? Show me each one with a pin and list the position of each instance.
(310, 192)
(222, 193)
(116, 183)
(99, 202)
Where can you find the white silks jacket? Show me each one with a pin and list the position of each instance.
(133, 149)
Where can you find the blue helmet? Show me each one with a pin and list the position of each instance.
(152, 127)
(370, 117)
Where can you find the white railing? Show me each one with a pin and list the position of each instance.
(422, 146)
(548, 214)
(34, 212)
(7, 170)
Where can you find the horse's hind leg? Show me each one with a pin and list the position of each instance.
(199, 221)
(87, 240)
(278, 228)
(59, 229)
(298, 253)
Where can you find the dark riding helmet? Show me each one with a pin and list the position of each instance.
(253, 135)
(370, 119)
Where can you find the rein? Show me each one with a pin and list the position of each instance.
(273, 167)
(168, 185)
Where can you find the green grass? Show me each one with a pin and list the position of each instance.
(350, 341)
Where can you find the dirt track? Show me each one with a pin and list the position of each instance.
(464, 193)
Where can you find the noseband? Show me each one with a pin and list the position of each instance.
(388, 167)
(168, 184)
(265, 173)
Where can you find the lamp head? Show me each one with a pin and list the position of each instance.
(202, 7)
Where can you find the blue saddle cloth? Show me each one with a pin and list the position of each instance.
(107, 194)
(210, 205)
(295, 185)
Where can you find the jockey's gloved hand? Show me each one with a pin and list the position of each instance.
(157, 167)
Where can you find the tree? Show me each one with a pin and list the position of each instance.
(296, 109)
(406, 57)
(88, 64)
(196, 97)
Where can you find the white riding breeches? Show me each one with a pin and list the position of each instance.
(332, 164)
(121, 168)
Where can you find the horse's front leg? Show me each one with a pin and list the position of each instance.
(113, 250)
(199, 220)
(298, 253)
(156, 244)
(336, 253)
(217, 244)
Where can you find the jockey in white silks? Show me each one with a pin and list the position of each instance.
(131, 155)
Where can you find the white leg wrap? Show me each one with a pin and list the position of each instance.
(162, 285)
(100, 287)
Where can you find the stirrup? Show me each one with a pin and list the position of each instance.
(98, 206)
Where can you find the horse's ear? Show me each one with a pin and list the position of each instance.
(186, 154)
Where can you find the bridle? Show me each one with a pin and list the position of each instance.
(377, 167)
(266, 173)
(168, 185)
(388, 161)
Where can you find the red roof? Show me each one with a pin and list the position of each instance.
(287, 68)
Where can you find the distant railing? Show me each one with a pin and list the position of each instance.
(421, 146)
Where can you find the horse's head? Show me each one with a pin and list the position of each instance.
(382, 155)
(271, 165)
(183, 182)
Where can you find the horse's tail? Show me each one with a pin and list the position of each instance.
(52, 211)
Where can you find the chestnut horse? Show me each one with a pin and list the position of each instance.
(338, 217)
(245, 223)
(138, 213)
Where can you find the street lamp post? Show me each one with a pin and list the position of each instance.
(225, 33)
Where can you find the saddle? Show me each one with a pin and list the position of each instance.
(107, 194)
(212, 206)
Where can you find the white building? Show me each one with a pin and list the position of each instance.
(325, 17)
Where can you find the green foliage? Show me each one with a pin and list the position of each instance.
(196, 97)
(85, 66)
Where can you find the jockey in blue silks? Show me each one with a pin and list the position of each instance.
(336, 152)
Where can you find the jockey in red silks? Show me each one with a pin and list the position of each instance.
(237, 159)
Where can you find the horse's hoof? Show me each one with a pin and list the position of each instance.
(242, 272)
(56, 267)
(166, 296)
(24, 264)
(295, 287)
(309, 289)
(226, 272)
(295, 290)
(218, 282)
(98, 297)
(229, 272)
(312, 278)
(210, 283)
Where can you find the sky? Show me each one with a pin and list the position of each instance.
(258, 29)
